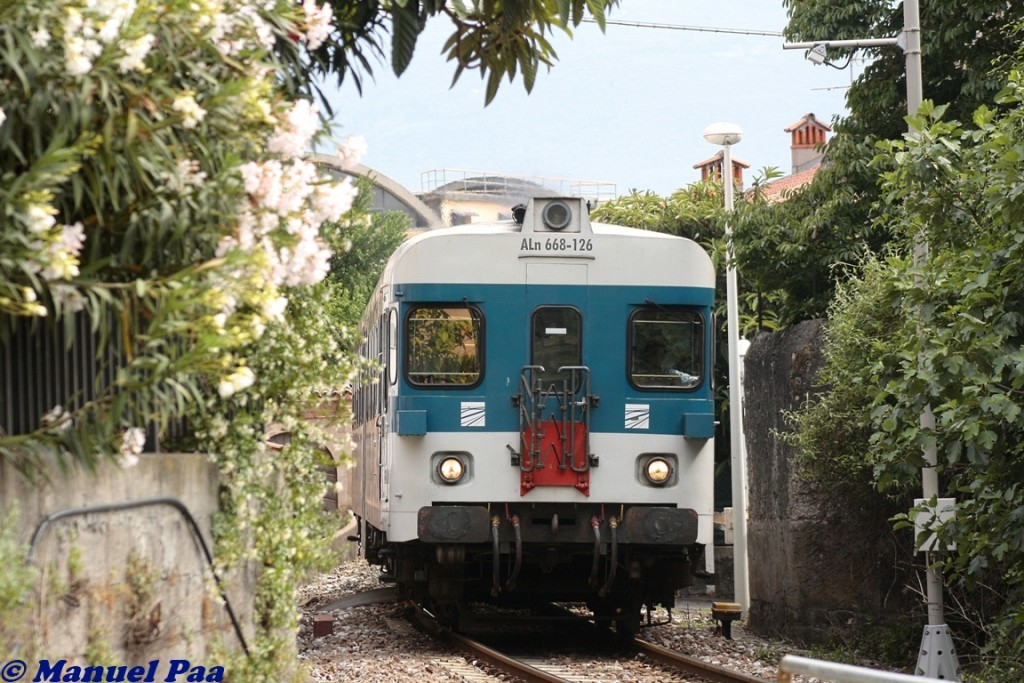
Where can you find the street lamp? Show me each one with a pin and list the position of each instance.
(726, 135)
(937, 657)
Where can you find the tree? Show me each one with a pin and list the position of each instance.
(805, 246)
(356, 269)
(797, 250)
(946, 333)
(498, 38)
(155, 200)
(693, 211)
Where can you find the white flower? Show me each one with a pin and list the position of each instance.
(186, 175)
(274, 309)
(351, 151)
(132, 442)
(332, 200)
(239, 380)
(69, 297)
(318, 23)
(72, 237)
(62, 253)
(63, 265)
(79, 53)
(41, 37)
(292, 136)
(56, 419)
(186, 105)
(135, 52)
(40, 218)
(3, 116)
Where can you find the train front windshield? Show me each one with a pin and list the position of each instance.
(444, 346)
(666, 349)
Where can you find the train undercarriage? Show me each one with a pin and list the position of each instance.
(551, 554)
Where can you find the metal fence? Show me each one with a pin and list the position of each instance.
(490, 182)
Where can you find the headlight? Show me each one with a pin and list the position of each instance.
(658, 471)
(557, 215)
(450, 470)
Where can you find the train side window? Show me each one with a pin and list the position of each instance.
(444, 345)
(666, 349)
(556, 340)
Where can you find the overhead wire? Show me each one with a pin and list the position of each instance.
(681, 27)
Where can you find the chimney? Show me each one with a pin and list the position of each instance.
(711, 168)
(808, 142)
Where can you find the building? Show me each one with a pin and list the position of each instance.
(462, 197)
(388, 195)
(711, 168)
(808, 140)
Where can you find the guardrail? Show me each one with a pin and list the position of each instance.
(841, 673)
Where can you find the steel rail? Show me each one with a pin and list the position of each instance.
(690, 665)
(507, 665)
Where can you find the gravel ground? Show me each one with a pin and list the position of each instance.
(374, 644)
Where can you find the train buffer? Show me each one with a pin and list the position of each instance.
(725, 613)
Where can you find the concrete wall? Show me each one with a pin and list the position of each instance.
(126, 586)
(823, 559)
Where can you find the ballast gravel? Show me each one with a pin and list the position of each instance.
(374, 643)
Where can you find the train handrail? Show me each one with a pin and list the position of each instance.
(531, 402)
(528, 405)
(579, 375)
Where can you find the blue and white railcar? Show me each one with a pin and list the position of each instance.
(539, 424)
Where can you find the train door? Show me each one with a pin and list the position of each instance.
(556, 341)
(387, 358)
(556, 302)
(555, 382)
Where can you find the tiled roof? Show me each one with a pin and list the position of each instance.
(776, 190)
(805, 119)
(718, 157)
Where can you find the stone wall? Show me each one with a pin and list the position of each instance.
(823, 558)
(122, 575)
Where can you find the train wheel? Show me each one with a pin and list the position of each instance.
(627, 624)
(629, 610)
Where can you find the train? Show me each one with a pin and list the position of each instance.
(534, 417)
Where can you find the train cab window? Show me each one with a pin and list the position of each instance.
(666, 349)
(444, 346)
(556, 341)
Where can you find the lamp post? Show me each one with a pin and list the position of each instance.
(726, 135)
(937, 657)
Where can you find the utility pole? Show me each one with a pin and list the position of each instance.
(937, 656)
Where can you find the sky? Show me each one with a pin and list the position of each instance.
(627, 107)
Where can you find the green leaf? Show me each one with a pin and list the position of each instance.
(406, 29)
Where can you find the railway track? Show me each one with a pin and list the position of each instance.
(691, 665)
(540, 670)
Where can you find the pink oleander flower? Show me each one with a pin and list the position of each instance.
(318, 23)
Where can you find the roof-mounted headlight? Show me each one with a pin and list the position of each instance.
(557, 215)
